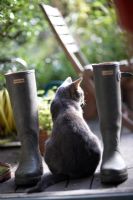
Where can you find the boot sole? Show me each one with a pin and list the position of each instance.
(113, 178)
(28, 181)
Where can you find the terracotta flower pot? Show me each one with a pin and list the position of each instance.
(43, 136)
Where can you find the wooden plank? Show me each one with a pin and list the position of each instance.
(72, 48)
(83, 183)
(51, 11)
(75, 194)
(57, 21)
(62, 30)
(10, 155)
(129, 182)
(127, 146)
(67, 39)
(7, 187)
(62, 186)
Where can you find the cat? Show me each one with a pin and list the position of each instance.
(72, 151)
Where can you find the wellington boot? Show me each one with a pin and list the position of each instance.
(22, 90)
(108, 97)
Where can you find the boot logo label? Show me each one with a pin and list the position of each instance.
(107, 72)
(18, 81)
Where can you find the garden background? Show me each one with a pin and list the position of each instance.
(25, 33)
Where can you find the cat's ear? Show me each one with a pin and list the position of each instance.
(77, 83)
(67, 82)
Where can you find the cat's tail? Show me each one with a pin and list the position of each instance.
(46, 181)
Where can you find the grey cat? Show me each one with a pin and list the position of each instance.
(72, 151)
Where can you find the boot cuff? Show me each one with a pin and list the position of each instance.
(106, 64)
(20, 72)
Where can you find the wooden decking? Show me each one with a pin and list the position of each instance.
(87, 188)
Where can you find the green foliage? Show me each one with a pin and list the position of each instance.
(25, 33)
(19, 20)
(3, 170)
(44, 102)
(99, 35)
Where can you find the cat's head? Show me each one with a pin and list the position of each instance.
(72, 90)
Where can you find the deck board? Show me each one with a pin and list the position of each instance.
(129, 182)
(82, 184)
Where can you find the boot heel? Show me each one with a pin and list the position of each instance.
(114, 178)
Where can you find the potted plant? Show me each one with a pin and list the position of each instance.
(45, 119)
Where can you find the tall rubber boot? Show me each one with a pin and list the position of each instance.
(22, 90)
(108, 97)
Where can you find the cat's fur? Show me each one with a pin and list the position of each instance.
(72, 151)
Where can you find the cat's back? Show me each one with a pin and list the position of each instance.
(70, 131)
(72, 146)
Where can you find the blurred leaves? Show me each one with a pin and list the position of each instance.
(44, 102)
(17, 20)
(25, 33)
(99, 35)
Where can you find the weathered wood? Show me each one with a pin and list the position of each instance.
(50, 10)
(72, 48)
(87, 188)
(62, 186)
(67, 39)
(82, 184)
(129, 182)
(104, 194)
(57, 21)
(7, 187)
(53, 22)
(62, 30)
(10, 157)
(127, 146)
